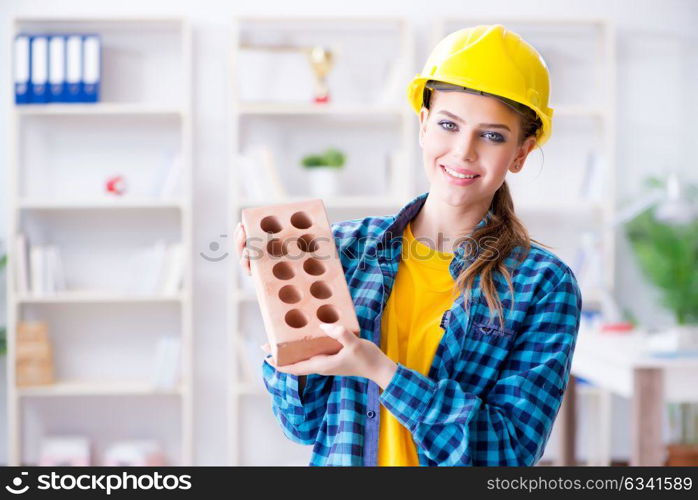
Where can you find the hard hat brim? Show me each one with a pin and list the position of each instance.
(415, 93)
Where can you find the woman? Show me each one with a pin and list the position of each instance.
(467, 326)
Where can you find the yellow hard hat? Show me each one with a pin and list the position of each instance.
(491, 59)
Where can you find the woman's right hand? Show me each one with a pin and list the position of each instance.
(240, 238)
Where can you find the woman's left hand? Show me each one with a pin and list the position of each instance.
(357, 358)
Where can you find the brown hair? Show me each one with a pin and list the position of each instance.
(505, 231)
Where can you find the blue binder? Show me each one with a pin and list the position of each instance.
(91, 67)
(73, 68)
(39, 69)
(56, 69)
(22, 69)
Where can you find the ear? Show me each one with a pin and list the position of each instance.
(423, 115)
(520, 158)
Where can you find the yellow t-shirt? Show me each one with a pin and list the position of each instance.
(411, 331)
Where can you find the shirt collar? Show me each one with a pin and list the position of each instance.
(387, 241)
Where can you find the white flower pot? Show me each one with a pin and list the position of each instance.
(324, 182)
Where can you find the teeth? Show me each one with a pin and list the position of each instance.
(456, 174)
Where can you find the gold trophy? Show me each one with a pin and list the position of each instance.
(321, 61)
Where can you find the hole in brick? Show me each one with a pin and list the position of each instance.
(313, 267)
(283, 271)
(301, 220)
(289, 294)
(276, 248)
(307, 243)
(327, 314)
(320, 290)
(270, 224)
(296, 319)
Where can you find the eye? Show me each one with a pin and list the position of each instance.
(448, 125)
(494, 136)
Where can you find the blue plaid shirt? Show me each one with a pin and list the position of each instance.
(493, 390)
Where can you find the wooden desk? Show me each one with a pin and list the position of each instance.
(621, 364)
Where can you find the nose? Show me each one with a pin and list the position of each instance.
(465, 147)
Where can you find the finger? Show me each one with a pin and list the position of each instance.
(246, 261)
(338, 333)
(316, 364)
(266, 348)
(239, 244)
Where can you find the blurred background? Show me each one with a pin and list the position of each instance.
(134, 133)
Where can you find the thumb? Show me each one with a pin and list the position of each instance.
(338, 332)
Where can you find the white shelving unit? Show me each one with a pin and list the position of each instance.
(102, 337)
(367, 112)
(581, 57)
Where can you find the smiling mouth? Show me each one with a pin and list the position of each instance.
(457, 175)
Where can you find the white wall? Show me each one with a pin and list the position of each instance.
(658, 71)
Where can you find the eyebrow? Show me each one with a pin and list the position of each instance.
(460, 120)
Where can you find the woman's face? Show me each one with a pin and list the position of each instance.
(469, 134)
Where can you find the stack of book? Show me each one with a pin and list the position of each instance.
(259, 176)
(34, 356)
(158, 269)
(39, 268)
(57, 68)
(62, 451)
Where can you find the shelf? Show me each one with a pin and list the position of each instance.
(119, 22)
(81, 388)
(109, 204)
(88, 297)
(140, 129)
(303, 109)
(102, 108)
(337, 202)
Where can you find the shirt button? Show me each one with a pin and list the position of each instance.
(371, 414)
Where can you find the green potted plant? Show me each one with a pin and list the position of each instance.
(664, 238)
(667, 253)
(323, 171)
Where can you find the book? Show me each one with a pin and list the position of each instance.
(22, 69)
(251, 186)
(146, 267)
(60, 451)
(260, 178)
(134, 453)
(166, 366)
(37, 264)
(91, 67)
(587, 265)
(34, 356)
(173, 271)
(592, 185)
(171, 183)
(22, 264)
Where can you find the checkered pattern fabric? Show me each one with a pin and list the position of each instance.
(493, 390)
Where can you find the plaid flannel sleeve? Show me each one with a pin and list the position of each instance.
(510, 424)
(300, 416)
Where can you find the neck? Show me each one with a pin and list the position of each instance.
(440, 225)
